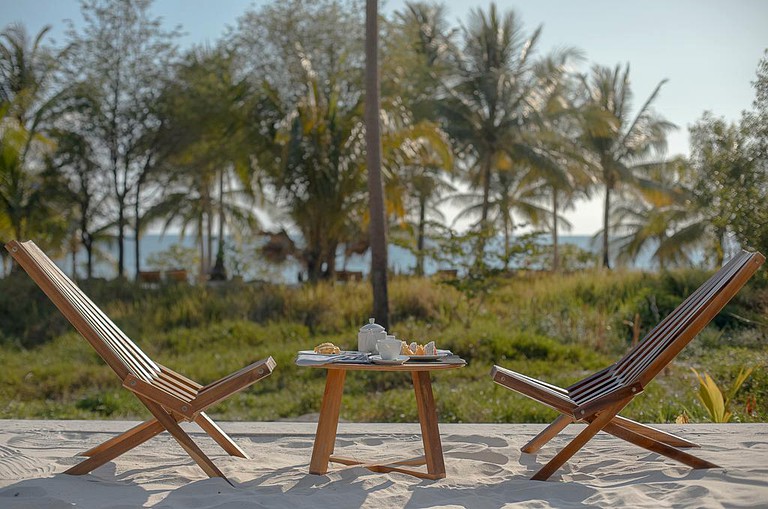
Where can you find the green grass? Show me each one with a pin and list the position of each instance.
(558, 328)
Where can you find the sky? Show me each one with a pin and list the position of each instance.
(707, 49)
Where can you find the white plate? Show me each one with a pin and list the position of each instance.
(400, 359)
(312, 352)
(417, 358)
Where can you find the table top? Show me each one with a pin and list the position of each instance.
(408, 366)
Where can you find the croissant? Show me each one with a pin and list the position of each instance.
(327, 348)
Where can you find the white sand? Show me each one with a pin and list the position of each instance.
(484, 463)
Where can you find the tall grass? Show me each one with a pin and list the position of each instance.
(559, 328)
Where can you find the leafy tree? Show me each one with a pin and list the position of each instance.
(87, 187)
(727, 183)
(122, 54)
(273, 41)
(751, 226)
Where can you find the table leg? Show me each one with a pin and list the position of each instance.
(430, 434)
(325, 438)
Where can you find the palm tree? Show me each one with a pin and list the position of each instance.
(648, 221)
(511, 193)
(566, 170)
(494, 101)
(314, 172)
(630, 141)
(205, 114)
(27, 108)
(419, 49)
(417, 158)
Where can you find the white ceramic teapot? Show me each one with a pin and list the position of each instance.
(369, 335)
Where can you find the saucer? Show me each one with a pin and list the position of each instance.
(400, 359)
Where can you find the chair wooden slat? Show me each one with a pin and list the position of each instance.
(98, 323)
(626, 370)
(111, 331)
(707, 302)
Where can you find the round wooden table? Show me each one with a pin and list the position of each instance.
(325, 438)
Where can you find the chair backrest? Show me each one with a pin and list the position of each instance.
(673, 333)
(117, 350)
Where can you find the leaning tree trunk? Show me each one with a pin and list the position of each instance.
(377, 227)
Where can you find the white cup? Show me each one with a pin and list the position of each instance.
(388, 348)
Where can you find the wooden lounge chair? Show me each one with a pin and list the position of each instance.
(597, 399)
(169, 396)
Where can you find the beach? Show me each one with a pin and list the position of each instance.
(485, 469)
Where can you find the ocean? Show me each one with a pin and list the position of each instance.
(401, 261)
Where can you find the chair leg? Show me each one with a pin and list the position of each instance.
(652, 433)
(117, 448)
(547, 434)
(579, 441)
(221, 438)
(657, 447)
(184, 440)
(119, 438)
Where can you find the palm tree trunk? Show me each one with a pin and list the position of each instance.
(219, 272)
(507, 241)
(377, 228)
(606, 222)
(420, 236)
(486, 178)
(555, 246)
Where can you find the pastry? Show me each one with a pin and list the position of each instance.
(327, 349)
(416, 349)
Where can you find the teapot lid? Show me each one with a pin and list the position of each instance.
(371, 326)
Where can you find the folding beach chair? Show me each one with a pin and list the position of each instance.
(597, 399)
(169, 396)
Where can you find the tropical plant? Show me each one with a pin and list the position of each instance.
(721, 180)
(317, 178)
(419, 47)
(619, 147)
(27, 108)
(715, 401)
